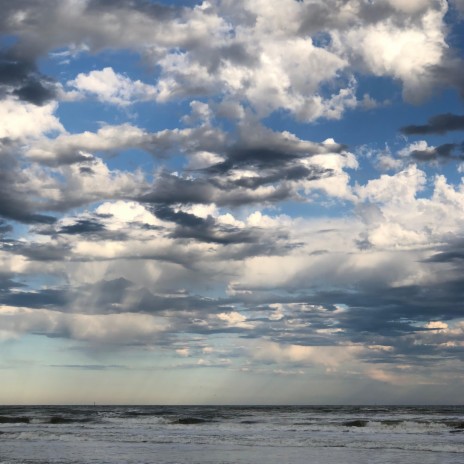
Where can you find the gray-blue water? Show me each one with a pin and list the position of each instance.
(231, 434)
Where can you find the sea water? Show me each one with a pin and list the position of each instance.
(231, 434)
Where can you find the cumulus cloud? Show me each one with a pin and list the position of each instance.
(23, 120)
(110, 87)
(261, 59)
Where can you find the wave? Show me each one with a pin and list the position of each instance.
(14, 420)
(190, 420)
(356, 423)
(70, 420)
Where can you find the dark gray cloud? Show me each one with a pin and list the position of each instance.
(55, 299)
(17, 198)
(45, 252)
(442, 153)
(189, 226)
(75, 25)
(7, 284)
(247, 166)
(317, 17)
(269, 177)
(5, 228)
(105, 297)
(238, 242)
(82, 226)
(20, 77)
(452, 252)
(93, 226)
(170, 189)
(439, 124)
(451, 72)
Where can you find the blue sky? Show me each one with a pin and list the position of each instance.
(231, 201)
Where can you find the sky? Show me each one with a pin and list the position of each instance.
(231, 201)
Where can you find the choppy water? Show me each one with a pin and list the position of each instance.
(229, 434)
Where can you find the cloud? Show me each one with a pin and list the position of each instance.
(110, 87)
(255, 55)
(420, 152)
(398, 46)
(20, 190)
(401, 187)
(441, 153)
(124, 328)
(258, 165)
(328, 356)
(23, 120)
(75, 24)
(20, 78)
(82, 226)
(68, 148)
(439, 124)
(235, 319)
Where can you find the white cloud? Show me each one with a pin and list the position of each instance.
(420, 145)
(404, 50)
(329, 356)
(401, 187)
(123, 212)
(109, 328)
(22, 120)
(65, 146)
(71, 148)
(76, 188)
(235, 319)
(110, 87)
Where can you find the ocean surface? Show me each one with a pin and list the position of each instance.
(231, 434)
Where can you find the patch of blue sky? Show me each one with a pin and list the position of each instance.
(156, 117)
(370, 126)
(455, 21)
(362, 126)
(318, 205)
(7, 41)
(19, 230)
(65, 64)
(321, 39)
(133, 159)
(36, 350)
(34, 282)
(88, 115)
(137, 159)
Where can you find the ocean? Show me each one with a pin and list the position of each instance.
(231, 434)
